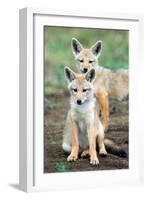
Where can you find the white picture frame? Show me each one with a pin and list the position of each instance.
(31, 175)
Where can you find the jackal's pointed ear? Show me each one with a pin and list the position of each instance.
(90, 76)
(96, 48)
(76, 46)
(69, 74)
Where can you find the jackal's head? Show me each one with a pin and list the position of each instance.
(80, 85)
(86, 58)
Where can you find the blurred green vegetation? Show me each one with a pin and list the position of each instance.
(62, 167)
(58, 53)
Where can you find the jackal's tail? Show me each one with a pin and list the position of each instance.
(113, 148)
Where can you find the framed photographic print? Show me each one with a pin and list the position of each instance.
(79, 88)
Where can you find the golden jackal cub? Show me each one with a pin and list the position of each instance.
(83, 130)
(82, 126)
(107, 82)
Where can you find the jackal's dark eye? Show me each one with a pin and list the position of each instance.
(84, 90)
(81, 61)
(74, 89)
(90, 61)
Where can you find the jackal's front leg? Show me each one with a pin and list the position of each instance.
(104, 108)
(74, 142)
(91, 130)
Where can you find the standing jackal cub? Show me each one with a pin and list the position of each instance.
(107, 82)
(83, 128)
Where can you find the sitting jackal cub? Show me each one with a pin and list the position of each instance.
(83, 128)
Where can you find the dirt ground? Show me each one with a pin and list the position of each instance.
(56, 107)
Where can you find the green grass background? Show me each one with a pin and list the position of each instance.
(58, 53)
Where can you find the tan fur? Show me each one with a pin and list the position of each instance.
(74, 141)
(107, 83)
(82, 128)
(102, 96)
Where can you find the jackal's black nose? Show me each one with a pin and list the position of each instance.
(79, 101)
(85, 70)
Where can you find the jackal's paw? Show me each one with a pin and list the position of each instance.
(94, 160)
(85, 154)
(72, 157)
(103, 152)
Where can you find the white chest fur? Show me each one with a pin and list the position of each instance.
(83, 115)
